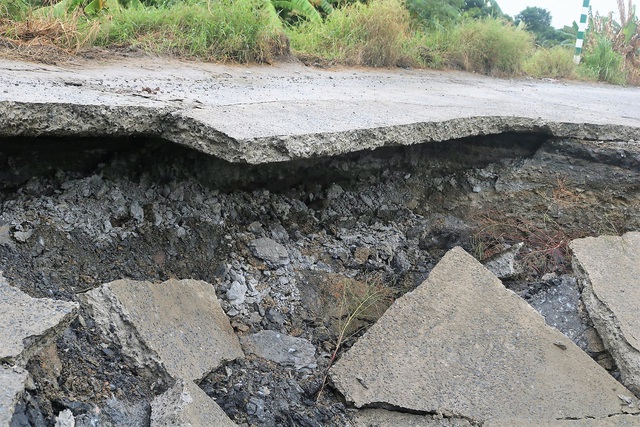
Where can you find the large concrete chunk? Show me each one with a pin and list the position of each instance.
(12, 382)
(29, 324)
(280, 348)
(178, 324)
(609, 270)
(186, 405)
(463, 345)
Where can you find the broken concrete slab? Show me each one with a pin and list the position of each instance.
(207, 107)
(29, 324)
(608, 268)
(612, 421)
(384, 418)
(281, 348)
(178, 324)
(186, 405)
(12, 383)
(463, 345)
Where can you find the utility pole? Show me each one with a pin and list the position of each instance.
(582, 27)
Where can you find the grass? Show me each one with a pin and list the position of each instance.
(556, 62)
(490, 46)
(601, 62)
(376, 34)
(221, 31)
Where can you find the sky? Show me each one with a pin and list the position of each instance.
(563, 12)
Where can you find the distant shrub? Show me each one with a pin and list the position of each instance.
(555, 62)
(601, 62)
(490, 46)
(373, 34)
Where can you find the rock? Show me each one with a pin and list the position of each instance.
(22, 236)
(237, 293)
(271, 252)
(463, 344)
(186, 405)
(12, 383)
(136, 212)
(65, 419)
(503, 264)
(383, 418)
(29, 324)
(280, 348)
(178, 324)
(608, 268)
(5, 235)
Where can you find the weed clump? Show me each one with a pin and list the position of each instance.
(373, 34)
(490, 46)
(223, 31)
(602, 62)
(555, 63)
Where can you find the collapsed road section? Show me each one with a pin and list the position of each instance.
(273, 114)
(238, 288)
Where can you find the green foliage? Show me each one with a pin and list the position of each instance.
(435, 13)
(477, 9)
(373, 34)
(224, 30)
(555, 63)
(537, 19)
(603, 63)
(14, 9)
(490, 46)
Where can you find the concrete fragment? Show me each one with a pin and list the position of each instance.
(29, 324)
(186, 405)
(12, 382)
(503, 264)
(237, 293)
(271, 252)
(608, 268)
(178, 324)
(383, 418)
(463, 345)
(280, 348)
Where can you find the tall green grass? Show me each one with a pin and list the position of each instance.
(601, 62)
(555, 62)
(375, 34)
(222, 30)
(490, 46)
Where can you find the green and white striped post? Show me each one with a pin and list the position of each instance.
(582, 27)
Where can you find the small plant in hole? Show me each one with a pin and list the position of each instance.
(360, 306)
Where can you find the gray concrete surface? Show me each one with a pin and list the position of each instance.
(384, 418)
(613, 421)
(288, 111)
(463, 345)
(12, 382)
(177, 324)
(186, 405)
(27, 324)
(609, 270)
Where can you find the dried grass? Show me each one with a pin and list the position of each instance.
(45, 38)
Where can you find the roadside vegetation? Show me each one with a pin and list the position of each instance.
(473, 35)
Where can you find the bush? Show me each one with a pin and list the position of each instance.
(490, 46)
(555, 62)
(601, 62)
(374, 34)
(224, 30)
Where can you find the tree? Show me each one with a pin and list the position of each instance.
(481, 8)
(435, 12)
(537, 19)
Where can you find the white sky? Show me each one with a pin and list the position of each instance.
(563, 12)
